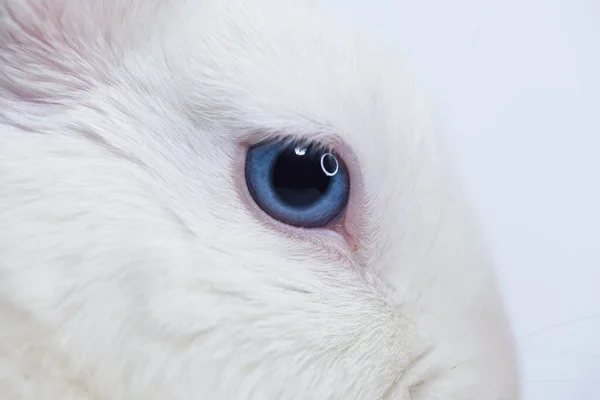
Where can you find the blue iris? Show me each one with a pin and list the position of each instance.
(300, 185)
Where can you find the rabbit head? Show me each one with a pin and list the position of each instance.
(230, 200)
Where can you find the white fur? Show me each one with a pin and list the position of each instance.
(132, 265)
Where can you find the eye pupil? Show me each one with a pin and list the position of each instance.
(298, 178)
(303, 186)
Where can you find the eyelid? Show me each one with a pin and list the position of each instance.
(320, 138)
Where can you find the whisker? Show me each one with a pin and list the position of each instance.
(572, 321)
(555, 381)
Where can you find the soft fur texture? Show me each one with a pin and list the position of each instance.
(133, 265)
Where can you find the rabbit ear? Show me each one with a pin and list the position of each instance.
(44, 45)
(50, 48)
(43, 30)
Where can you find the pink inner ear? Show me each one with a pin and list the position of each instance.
(31, 21)
(42, 48)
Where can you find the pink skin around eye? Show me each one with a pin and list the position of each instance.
(344, 234)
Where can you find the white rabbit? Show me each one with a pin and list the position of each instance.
(148, 250)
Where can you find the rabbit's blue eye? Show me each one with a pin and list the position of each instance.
(300, 185)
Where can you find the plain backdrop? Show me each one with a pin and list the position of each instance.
(517, 87)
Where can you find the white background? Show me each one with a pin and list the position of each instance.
(517, 84)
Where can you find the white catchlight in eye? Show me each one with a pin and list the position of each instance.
(328, 161)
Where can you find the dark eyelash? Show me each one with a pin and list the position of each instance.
(298, 141)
